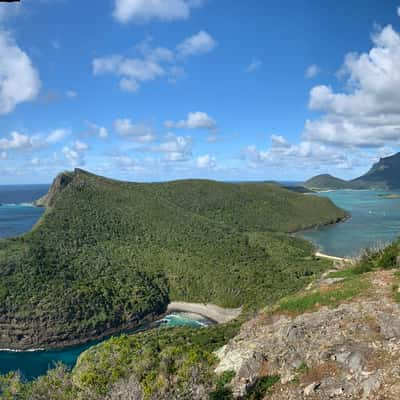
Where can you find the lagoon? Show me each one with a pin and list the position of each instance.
(374, 222)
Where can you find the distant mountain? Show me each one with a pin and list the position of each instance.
(326, 181)
(385, 174)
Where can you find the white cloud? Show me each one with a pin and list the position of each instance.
(3, 155)
(129, 85)
(145, 10)
(197, 44)
(151, 63)
(75, 154)
(80, 146)
(206, 162)
(131, 70)
(306, 154)
(57, 136)
(19, 141)
(367, 112)
(195, 120)
(254, 66)
(138, 132)
(19, 80)
(175, 148)
(312, 71)
(97, 130)
(71, 94)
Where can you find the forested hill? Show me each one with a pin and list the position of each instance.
(107, 254)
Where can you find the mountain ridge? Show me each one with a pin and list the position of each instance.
(383, 175)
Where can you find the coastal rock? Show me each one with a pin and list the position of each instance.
(348, 352)
(59, 185)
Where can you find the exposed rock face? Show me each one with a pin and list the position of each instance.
(20, 334)
(351, 352)
(383, 175)
(59, 184)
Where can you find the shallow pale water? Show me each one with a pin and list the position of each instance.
(375, 221)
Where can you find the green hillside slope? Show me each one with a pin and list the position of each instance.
(107, 254)
(326, 182)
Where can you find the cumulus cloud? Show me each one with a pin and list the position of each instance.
(197, 44)
(136, 131)
(96, 130)
(367, 112)
(145, 10)
(152, 62)
(175, 148)
(312, 71)
(306, 154)
(57, 136)
(131, 70)
(194, 120)
(206, 162)
(254, 66)
(19, 80)
(19, 141)
(75, 154)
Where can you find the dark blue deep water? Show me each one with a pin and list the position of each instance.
(17, 215)
(374, 222)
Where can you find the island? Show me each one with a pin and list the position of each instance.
(107, 256)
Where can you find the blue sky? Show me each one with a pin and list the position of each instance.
(149, 90)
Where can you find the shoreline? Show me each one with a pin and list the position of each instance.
(211, 312)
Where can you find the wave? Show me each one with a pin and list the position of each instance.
(17, 205)
(21, 351)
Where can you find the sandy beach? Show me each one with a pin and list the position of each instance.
(333, 258)
(210, 311)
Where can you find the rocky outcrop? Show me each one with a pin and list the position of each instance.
(350, 352)
(17, 334)
(59, 184)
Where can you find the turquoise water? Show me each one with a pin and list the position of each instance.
(36, 363)
(375, 221)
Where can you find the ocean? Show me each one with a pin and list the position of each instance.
(17, 215)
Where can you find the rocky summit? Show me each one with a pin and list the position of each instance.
(350, 351)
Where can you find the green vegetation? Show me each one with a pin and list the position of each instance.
(108, 253)
(331, 297)
(326, 182)
(261, 388)
(161, 364)
(383, 175)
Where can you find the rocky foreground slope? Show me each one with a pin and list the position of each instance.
(347, 349)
